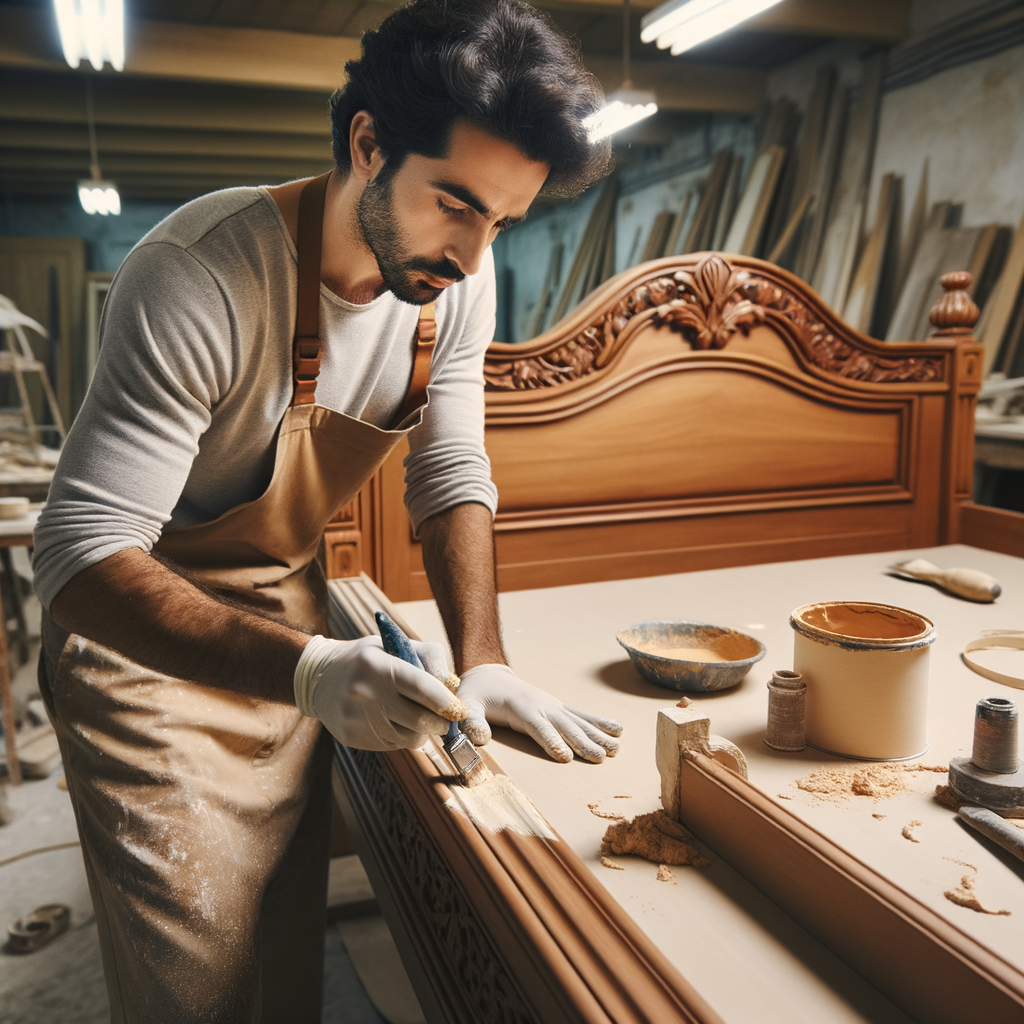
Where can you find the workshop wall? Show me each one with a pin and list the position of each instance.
(108, 239)
(653, 178)
(965, 120)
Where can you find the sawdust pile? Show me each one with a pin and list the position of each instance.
(611, 864)
(946, 798)
(965, 896)
(908, 830)
(879, 780)
(665, 874)
(655, 837)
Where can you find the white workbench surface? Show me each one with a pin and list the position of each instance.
(752, 962)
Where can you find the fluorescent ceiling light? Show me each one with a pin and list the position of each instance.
(99, 197)
(683, 24)
(624, 107)
(93, 29)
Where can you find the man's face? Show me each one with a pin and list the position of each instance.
(428, 224)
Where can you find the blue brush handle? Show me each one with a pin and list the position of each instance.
(397, 644)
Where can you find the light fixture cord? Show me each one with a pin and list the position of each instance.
(94, 158)
(626, 81)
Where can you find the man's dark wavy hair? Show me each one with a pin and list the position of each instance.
(501, 65)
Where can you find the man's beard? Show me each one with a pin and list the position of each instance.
(384, 238)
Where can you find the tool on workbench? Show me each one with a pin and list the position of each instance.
(463, 755)
(993, 775)
(969, 583)
(993, 827)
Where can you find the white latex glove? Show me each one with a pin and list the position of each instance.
(493, 693)
(371, 700)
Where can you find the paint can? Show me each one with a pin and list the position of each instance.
(865, 667)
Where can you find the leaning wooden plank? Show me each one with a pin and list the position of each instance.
(699, 237)
(824, 185)
(930, 968)
(988, 262)
(680, 225)
(551, 279)
(860, 304)
(922, 272)
(501, 904)
(730, 200)
(1003, 301)
(813, 135)
(915, 229)
(835, 265)
(748, 223)
(659, 233)
(788, 236)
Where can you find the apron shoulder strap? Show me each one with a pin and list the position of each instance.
(426, 337)
(306, 351)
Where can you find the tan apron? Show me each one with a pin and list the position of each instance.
(204, 814)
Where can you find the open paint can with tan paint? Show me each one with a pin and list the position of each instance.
(866, 670)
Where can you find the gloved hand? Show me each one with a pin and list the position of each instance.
(493, 693)
(370, 700)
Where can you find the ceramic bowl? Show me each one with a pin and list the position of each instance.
(692, 656)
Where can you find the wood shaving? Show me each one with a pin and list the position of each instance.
(452, 682)
(908, 830)
(594, 809)
(655, 837)
(611, 864)
(684, 702)
(878, 780)
(782, 796)
(965, 896)
(878, 816)
(665, 874)
(622, 797)
(456, 711)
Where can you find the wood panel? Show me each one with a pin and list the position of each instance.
(696, 413)
(995, 529)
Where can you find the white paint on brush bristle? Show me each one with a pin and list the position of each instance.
(493, 804)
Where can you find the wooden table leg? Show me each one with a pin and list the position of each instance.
(19, 602)
(7, 700)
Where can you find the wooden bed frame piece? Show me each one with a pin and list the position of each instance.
(700, 411)
(492, 926)
(927, 966)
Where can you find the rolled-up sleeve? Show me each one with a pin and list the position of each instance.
(166, 338)
(447, 463)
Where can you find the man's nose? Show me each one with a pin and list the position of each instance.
(467, 250)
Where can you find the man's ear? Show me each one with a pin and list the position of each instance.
(366, 156)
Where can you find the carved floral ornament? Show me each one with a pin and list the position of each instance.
(707, 307)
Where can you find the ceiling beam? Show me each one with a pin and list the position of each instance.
(880, 21)
(161, 141)
(884, 21)
(210, 53)
(682, 86)
(34, 96)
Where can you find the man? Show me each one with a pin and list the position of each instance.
(263, 351)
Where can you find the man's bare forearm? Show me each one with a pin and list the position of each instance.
(458, 552)
(133, 604)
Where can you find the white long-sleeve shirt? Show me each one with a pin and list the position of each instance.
(195, 374)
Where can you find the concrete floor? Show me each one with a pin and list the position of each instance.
(63, 983)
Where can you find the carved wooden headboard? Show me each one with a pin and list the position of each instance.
(699, 411)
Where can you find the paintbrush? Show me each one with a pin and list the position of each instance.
(969, 583)
(463, 755)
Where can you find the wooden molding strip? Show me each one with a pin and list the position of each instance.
(501, 926)
(923, 963)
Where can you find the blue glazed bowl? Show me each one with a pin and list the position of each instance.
(692, 656)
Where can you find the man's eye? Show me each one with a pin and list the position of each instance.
(455, 211)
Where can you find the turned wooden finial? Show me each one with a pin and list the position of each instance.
(955, 312)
